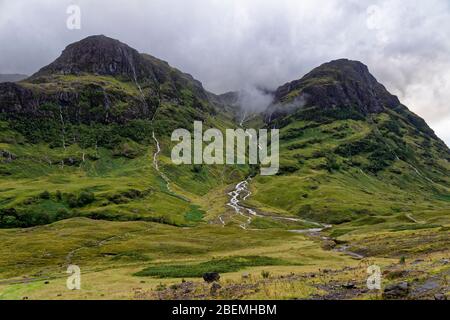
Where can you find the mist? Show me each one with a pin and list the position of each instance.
(241, 45)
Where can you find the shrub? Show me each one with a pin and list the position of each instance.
(331, 163)
(44, 195)
(85, 198)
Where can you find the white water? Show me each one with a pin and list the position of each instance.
(235, 195)
(158, 147)
(63, 128)
(241, 191)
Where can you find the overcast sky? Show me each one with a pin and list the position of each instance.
(231, 44)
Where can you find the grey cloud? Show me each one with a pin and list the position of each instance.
(235, 44)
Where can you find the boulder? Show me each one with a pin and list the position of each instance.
(211, 277)
(396, 291)
(214, 288)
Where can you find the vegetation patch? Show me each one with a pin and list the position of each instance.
(195, 214)
(223, 265)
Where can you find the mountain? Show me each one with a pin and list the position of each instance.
(12, 77)
(339, 83)
(102, 109)
(86, 178)
(347, 146)
(103, 81)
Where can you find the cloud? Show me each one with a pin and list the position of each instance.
(236, 44)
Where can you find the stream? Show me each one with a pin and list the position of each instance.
(241, 192)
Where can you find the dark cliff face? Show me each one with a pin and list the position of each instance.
(101, 55)
(339, 83)
(97, 55)
(95, 78)
(16, 99)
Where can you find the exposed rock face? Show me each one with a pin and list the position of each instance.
(148, 79)
(339, 83)
(98, 55)
(13, 97)
(101, 55)
(396, 291)
(229, 98)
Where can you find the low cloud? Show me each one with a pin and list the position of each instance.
(235, 44)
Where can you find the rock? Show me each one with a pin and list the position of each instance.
(445, 261)
(440, 296)
(339, 83)
(72, 161)
(349, 285)
(214, 288)
(396, 291)
(328, 245)
(8, 156)
(245, 275)
(211, 277)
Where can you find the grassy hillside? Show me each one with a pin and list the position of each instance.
(362, 181)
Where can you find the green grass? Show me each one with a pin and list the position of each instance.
(195, 214)
(224, 265)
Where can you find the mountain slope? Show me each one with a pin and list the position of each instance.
(351, 152)
(92, 131)
(86, 179)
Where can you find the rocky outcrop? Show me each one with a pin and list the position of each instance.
(101, 55)
(97, 55)
(339, 83)
(396, 291)
(147, 81)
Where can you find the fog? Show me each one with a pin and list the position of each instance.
(247, 44)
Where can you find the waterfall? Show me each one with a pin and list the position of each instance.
(63, 130)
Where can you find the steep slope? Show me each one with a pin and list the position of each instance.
(92, 131)
(352, 154)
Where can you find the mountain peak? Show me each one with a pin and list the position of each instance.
(96, 54)
(339, 83)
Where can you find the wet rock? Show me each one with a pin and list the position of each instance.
(214, 288)
(211, 277)
(396, 291)
(72, 161)
(7, 156)
(440, 296)
(328, 245)
(349, 285)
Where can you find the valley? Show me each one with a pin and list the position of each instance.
(86, 178)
